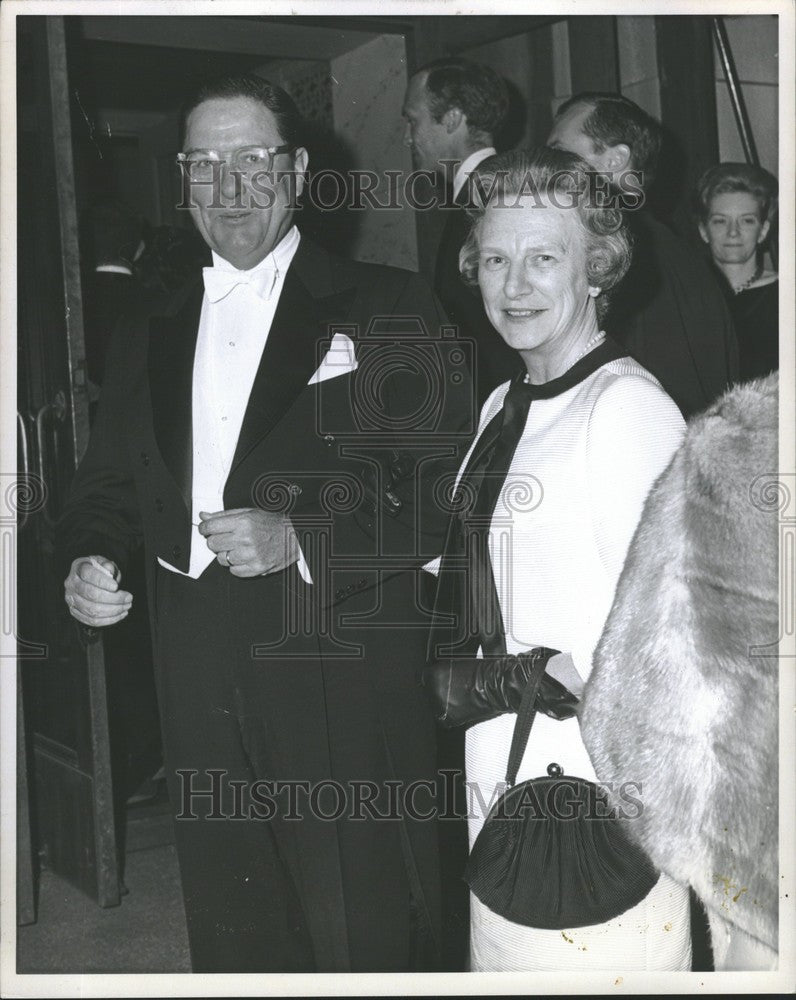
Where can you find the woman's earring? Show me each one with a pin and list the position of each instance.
(594, 292)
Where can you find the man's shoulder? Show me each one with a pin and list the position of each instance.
(668, 245)
(683, 271)
(343, 272)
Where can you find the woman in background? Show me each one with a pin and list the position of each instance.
(737, 203)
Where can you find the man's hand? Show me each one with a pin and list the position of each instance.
(92, 594)
(250, 541)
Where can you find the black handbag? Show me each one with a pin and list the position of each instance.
(552, 853)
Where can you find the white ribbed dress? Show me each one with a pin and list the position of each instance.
(561, 528)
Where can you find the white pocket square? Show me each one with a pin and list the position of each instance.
(340, 359)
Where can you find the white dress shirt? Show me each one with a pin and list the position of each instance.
(233, 330)
(466, 167)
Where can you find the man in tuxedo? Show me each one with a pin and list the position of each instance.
(276, 440)
(453, 109)
(668, 311)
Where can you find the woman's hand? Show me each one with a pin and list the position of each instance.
(470, 690)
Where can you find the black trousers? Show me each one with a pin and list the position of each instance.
(243, 908)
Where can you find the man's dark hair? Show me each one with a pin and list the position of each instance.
(476, 90)
(257, 88)
(615, 119)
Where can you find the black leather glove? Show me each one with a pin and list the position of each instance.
(470, 690)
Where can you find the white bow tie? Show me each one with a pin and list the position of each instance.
(220, 282)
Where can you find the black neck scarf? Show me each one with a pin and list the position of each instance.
(466, 611)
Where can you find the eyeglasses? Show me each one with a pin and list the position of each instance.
(201, 163)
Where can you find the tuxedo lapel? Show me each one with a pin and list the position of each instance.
(291, 355)
(307, 306)
(172, 345)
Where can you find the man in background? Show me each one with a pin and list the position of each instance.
(668, 311)
(113, 242)
(454, 108)
(114, 239)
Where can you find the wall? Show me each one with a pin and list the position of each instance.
(638, 62)
(754, 44)
(149, 181)
(367, 96)
(354, 103)
(525, 62)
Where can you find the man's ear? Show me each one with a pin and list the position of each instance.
(300, 163)
(452, 119)
(617, 157)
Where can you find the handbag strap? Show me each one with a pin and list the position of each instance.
(527, 712)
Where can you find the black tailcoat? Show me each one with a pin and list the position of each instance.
(355, 461)
(669, 313)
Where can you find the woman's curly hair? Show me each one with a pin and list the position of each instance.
(727, 178)
(563, 179)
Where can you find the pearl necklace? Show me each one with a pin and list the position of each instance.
(594, 341)
(755, 277)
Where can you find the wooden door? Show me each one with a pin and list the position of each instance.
(64, 724)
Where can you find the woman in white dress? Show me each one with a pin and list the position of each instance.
(599, 430)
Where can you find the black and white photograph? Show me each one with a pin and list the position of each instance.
(399, 512)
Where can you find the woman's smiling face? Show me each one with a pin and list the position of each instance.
(532, 272)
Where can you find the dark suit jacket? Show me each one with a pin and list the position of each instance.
(107, 296)
(355, 461)
(670, 315)
(493, 361)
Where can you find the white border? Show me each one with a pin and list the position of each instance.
(12, 985)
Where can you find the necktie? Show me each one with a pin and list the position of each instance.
(219, 282)
(467, 611)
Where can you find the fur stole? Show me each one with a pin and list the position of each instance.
(682, 698)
